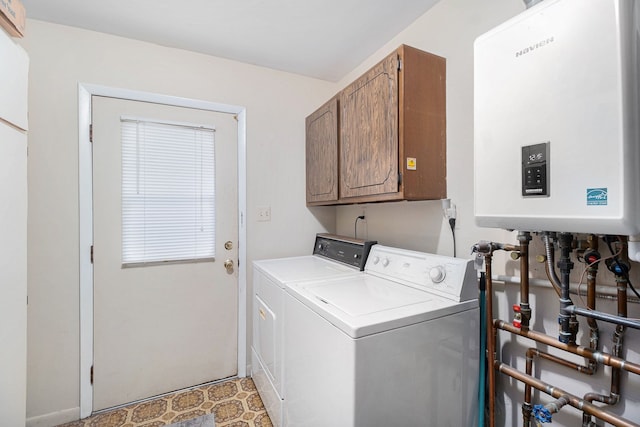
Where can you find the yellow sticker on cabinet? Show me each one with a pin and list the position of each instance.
(411, 163)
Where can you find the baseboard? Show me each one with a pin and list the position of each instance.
(54, 418)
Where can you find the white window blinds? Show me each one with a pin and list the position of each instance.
(168, 192)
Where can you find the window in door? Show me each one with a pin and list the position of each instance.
(168, 192)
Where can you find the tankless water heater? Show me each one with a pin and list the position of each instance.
(556, 119)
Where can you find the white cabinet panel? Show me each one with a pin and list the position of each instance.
(13, 275)
(14, 69)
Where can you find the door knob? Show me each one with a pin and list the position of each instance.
(228, 264)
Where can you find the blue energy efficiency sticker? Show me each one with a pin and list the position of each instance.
(596, 196)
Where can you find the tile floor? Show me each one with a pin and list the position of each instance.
(234, 403)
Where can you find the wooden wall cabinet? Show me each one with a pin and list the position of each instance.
(322, 154)
(390, 134)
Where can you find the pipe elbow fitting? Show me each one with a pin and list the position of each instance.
(633, 248)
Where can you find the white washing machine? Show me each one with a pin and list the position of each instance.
(395, 346)
(333, 256)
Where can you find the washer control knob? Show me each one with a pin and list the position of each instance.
(437, 274)
(385, 262)
(375, 259)
(356, 256)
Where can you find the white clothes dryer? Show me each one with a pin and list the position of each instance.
(333, 257)
(396, 346)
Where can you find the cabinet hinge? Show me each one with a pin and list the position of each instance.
(91, 375)
(91, 254)
(91, 132)
(399, 63)
(400, 179)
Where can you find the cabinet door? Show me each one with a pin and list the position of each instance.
(322, 154)
(369, 132)
(14, 71)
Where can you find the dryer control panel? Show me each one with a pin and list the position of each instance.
(353, 252)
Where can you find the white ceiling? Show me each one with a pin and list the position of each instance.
(318, 38)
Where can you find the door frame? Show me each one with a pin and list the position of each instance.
(85, 193)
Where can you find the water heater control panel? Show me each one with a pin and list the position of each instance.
(535, 170)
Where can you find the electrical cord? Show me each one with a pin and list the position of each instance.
(449, 212)
(622, 269)
(452, 224)
(355, 226)
(586, 267)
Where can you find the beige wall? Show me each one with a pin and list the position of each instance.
(449, 30)
(276, 104)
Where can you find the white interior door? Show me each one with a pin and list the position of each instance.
(160, 328)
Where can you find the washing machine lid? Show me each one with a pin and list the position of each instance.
(309, 267)
(367, 304)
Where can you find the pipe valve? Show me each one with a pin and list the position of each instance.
(618, 267)
(482, 247)
(517, 316)
(541, 414)
(592, 257)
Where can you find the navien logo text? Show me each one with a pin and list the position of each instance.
(535, 46)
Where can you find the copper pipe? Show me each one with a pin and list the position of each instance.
(618, 335)
(556, 392)
(598, 356)
(530, 355)
(487, 249)
(614, 395)
(592, 271)
(602, 292)
(592, 354)
(612, 399)
(526, 404)
(558, 360)
(491, 340)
